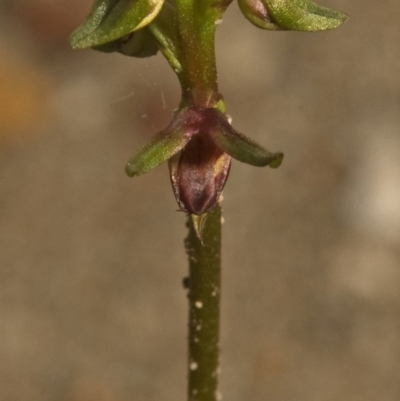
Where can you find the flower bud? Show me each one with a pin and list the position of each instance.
(297, 15)
(256, 12)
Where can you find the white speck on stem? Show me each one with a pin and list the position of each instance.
(193, 365)
(198, 304)
(218, 396)
(198, 327)
(218, 21)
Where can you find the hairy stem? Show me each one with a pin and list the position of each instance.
(204, 287)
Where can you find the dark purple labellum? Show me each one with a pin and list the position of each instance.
(198, 174)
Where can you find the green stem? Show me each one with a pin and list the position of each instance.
(196, 26)
(204, 307)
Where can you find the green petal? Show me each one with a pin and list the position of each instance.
(244, 149)
(114, 20)
(159, 149)
(304, 15)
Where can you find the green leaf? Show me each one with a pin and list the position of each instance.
(118, 18)
(160, 148)
(304, 15)
(242, 148)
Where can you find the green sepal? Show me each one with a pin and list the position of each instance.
(99, 11)
(111, 20)
(159, 149)
(244, 149)
(303, 15)
(137, 44)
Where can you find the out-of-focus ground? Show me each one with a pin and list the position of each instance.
(91, 262)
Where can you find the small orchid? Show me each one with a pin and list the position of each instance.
(199, 144)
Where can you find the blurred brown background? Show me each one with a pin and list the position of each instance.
(91, 262)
